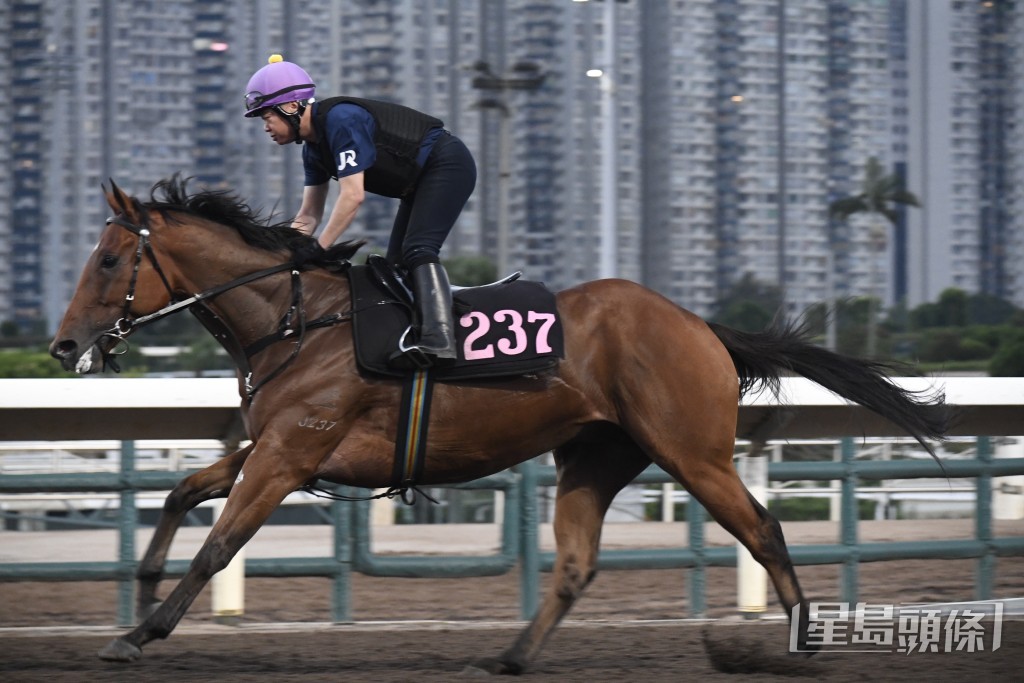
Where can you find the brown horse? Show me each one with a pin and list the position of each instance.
(642, 381)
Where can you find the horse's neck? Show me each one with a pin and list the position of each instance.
(257, 309)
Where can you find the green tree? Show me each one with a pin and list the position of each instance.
(750, 305)
(1008, 360)
(470, 271)
(956, 308)
(852, 324)
(15, 363)
(953, 307)
(745, 315)
(926, 315)
(985, 309)
(204, 354)
(881, 193)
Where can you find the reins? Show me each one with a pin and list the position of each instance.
(406, 492)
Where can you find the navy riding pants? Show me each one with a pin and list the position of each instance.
(427, 215)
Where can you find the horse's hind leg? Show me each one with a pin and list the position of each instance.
(714, 482)
(213, 482)
(591, 471)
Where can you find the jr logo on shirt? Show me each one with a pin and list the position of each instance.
(346, 159)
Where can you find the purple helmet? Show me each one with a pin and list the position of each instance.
(276, 83)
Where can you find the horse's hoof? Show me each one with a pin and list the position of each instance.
(492, 667)
(120, 650)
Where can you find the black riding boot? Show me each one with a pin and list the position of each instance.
(434, 306)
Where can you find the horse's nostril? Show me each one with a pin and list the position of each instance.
(64, 349)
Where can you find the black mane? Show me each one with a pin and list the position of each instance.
(226, 208)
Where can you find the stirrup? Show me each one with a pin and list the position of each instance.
(412, 357)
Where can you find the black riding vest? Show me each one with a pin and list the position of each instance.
(400, 130)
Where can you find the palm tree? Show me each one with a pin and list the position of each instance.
(880, 194)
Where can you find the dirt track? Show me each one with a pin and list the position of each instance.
(594, 646)
(664, 652)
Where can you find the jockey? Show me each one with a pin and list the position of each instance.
(382, 148)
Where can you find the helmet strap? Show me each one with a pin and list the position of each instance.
(293, 119)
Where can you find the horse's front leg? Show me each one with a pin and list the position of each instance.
(267, 479)
(213, 482)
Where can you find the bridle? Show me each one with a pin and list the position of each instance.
(126, 324)
(293, 325)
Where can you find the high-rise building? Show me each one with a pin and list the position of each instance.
(1014, 199)
(6, 178)
(964, 158)
(708, 149)
(101, 90)
(757, 113)
(27, 64)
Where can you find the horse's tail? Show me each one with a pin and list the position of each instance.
(761, 358)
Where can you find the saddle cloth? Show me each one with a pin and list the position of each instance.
(502, 330)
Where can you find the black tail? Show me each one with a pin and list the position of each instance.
(762, 357)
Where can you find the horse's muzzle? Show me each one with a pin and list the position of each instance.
(66, 351)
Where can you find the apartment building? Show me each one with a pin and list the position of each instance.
(708, 149)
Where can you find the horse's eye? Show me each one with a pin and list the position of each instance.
(109, 261)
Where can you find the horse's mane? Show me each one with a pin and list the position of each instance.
(172, 195)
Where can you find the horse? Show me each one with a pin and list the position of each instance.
(642, 381)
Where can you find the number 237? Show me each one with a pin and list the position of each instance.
(513, 321)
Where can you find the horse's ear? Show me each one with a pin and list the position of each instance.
(119, 201)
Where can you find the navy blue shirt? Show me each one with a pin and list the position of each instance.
(350, 131)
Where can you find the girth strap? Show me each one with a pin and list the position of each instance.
(411, 441)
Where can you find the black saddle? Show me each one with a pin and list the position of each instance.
(504, 329)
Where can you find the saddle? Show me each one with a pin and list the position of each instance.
(505, 329)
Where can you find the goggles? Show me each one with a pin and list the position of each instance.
(256, 99)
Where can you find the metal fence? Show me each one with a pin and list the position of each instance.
(207, 408)
(519, 534)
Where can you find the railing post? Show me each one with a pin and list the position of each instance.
(983, 522)
(695, 522)
(529, 577)
(848, 522)
(227, 587)
(751, 577)
(341, 582)
(668, 502)
(126, 538)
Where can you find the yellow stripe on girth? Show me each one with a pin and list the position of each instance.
(412, 440)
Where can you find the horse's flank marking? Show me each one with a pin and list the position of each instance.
(313, 422)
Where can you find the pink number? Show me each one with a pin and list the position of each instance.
(467, 348)
(514, 324)
(516, 328)
(542, 334)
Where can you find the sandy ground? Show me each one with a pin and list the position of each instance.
(629, 625)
